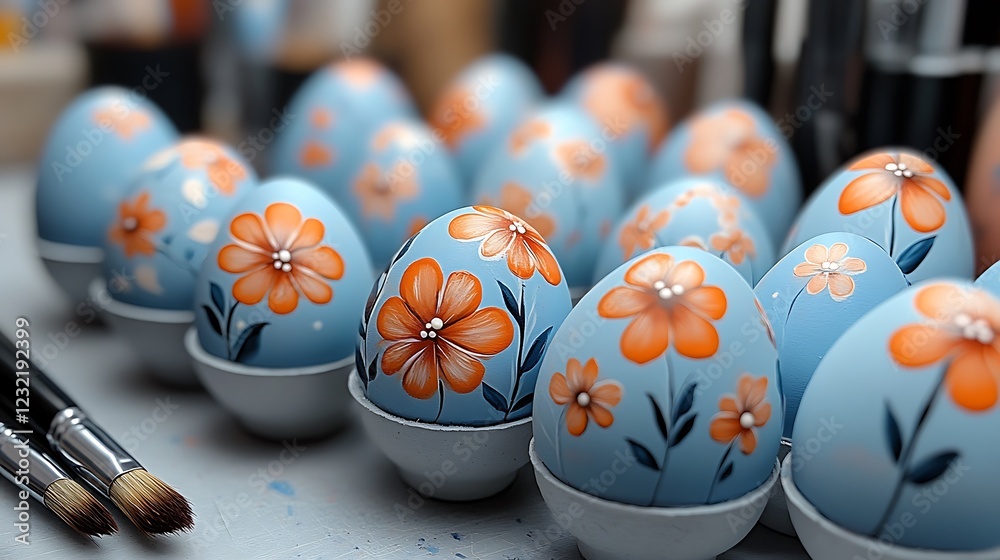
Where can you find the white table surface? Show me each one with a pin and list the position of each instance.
(335, 500)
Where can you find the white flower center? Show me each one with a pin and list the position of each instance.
(130, 224)
(282, 260)
(517, 226)
(899, 170)
(747, 420)
(431, 328)
(583, 399)
(974, 329)
(665, 292)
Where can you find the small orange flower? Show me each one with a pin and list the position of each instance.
(905, 175)
(395, 132)
(223, 171)
(666, 299)
(321, 118)
(380, 192)
(585, 396)
(126, 123)
(693, 241)
(527, 133)
(739, 416)
(964, 332)
(136, 223)
(436, 330)
(579, 160)
(518, 201)
(623, 96)
(829, 267)
(315, 154)
(503, 234)
(729, 141)
(359, 72)
(640, 233)
(282, 256)
(735, 244)
(453, 117)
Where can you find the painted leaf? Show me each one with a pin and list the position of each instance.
(362, 332)
(892, 434)
(213, 320)
(912, 256)
(203, 231)
(642, 455)
(359, 365)
(536, 352)
(248, 343)
(147, 279)
(683, 431)
(496, 400)
(661, 422)
(373, 369)
(402, 250)
(373, 296)
(218, 300)
(510, 302)
(523, 402)
(684, 402)
(193, 191)
(931, 469)
(727, 471)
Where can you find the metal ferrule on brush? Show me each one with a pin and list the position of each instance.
(26, 466)
(94, 456)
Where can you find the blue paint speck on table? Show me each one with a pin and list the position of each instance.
(282, 487)
(457, 536)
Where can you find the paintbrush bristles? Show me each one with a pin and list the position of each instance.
(153, 506)
(79, 509)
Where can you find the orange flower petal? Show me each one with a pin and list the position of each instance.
(920, 345)
(309, 235)
(461, 371)
(816, 284)
(748, 442)
(724, 429)
(314, 154)
(837, 252)
(497, 243)
(941, 301)
(311, 286)
(574, 376)
(853, 265)
(752, 392)
(841, 285)
(153, 221)
(545, 261)
(462, 295)
(322, 260)
(761, 414)
(649, 269)
(915, 164)
(688, 274)
(972, 378)
(396, 322)
(744, 173)
(620, 302)
(921, 209)
(707, 300)
(250, 229)
(396, 355)
(804, 270)
(728, 404)
(472, 226)
(284, 298)
(576, 419)
(488, 331)
(817, 254)
(694, 337)
(590, 373)
(932, 184)
(421, 374)
(647, 336)
(867, 191)
(601, 415)
(874, 161)
(233, 258)
(606, 393)
(419, 287)
(559, 390)
(283, 221)
(250, 289)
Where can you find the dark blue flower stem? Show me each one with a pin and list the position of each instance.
(441, 403)
(517, 364)
(229, 326)
(892, 225)
(718, 470)
(670, 425)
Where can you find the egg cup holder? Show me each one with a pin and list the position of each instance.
(275, 403)
(775, 516)
(825, 540)
(72, 267)
(451, 463)
(156, 335)
(607, 530)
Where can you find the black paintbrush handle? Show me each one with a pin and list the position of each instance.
(45, 399)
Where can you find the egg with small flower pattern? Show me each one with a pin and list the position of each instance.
(663, 374)
(165, 223)
(903, 202)
(736, 142)
(701, 213)
(554, 171)
(893, 436)
(455, 329)
(817, 292)
(93, 151)
(283, 281)
(480, 107)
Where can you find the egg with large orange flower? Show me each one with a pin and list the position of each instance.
(890, 432)
(736, 142)
(665, 374)
(903, 201)
(457, 326)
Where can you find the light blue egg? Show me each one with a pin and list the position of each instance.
(700, 213)
(629, 111)
(555, 172)
(285, 281)
(331, 118)
(164, 225)
(406, 180)
(737, 142)
(92, 153)
(456, 328)
(478, 109)
(990, 279)
(893, 439)
(858, 275)
(631, 395)
(926, 231)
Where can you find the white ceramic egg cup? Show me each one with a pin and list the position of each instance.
(453, 463)
(73, 267)
(825, 540)
(156, 335)
(607, 530)
(276, 403)
(775, 516)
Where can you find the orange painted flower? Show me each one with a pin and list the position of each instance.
(640, 233)
(518, 201)
(436, 330)
(136, 223)
(830, 267)
(616, 96)
(126, 124)
(729, 141)
(454, 117)
(505, 235)
(905, 175)
(282, 256)
(735, 244)
(315, 154)
(963, 332)
(321, 118)
(359, 72)
(666, 300)
(585, 396)
(223, 171)
(580, 160)
(380, 192)
(527, 133)
(396, 132)
(739, 416)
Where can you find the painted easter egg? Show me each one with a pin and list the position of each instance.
(456, 328)
(700, 213)
(904, 203)
(283, 280)
(889, 434)
(665, 375)
(737, 142)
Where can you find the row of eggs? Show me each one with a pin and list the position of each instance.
(674, 354)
